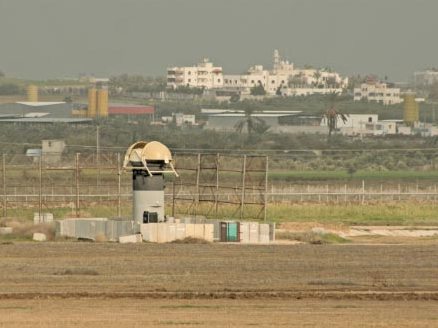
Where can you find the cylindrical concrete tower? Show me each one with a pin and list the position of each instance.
(411, 113)
(92, 103)
(32, 93)
(102, 102)
(148, 162)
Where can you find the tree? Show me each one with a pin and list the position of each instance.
(278, 91)
(258, 90)
(351, 169)
(253, 124)
(316, 76)
(10, 89)
(332, 116)
(296, 80)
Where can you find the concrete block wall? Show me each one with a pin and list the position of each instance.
(92, 228)
(43, 218)
(168, 232)
(250, 232)
(256, 233)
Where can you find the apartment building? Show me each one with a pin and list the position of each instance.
(203, 75)
(378, 92)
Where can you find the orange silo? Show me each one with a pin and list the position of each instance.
(92, 103)
(102, 102)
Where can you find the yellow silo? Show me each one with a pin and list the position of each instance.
(32, 93)
(102, 102)
(92, 103)
(411, 109)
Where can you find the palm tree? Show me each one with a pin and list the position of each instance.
(331, 115)
(253, 124)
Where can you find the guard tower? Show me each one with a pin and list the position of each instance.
(148, 162)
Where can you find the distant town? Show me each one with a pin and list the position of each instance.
(88, 98)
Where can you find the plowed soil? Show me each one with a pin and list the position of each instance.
(75, 284)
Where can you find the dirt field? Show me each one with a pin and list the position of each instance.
(77, 284)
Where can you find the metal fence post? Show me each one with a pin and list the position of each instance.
(4, 185)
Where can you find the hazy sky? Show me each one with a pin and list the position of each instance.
(62, 38)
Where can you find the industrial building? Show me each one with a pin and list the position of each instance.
(34, 111)
(39, 112)
(277, 121)
(131, 110)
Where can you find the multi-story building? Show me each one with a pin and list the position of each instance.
(203, 75)
(425, 78)
(282, 79)
(378, 92)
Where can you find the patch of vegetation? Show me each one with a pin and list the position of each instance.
(312, 237)
(78, 271)
(397, 213)
(190, 240)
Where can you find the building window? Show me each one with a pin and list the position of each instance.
(218, 80)
(272, 81)
(189, 73)
(370, 119)
(190, 80)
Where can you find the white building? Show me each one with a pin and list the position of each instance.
(427, 77)
(365, 124)
(378, 92)
(284, 79)
(203, 75)
(180, 119)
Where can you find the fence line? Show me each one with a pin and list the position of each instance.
(82, 182)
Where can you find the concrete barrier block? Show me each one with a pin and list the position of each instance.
(209, 232)
(5, 230)
(145, 231)
(180, 231)
(39, 236)
(190, 230)
(199, 231)
(162, 233)
(272, 231)
(171, 232)
(130, 239)
(264, 233)
(43, 218)
(153, 232)
(253, 232)
(244, 232)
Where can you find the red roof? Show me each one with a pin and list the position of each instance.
(130, 110)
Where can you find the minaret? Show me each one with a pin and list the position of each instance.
(276, 59)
